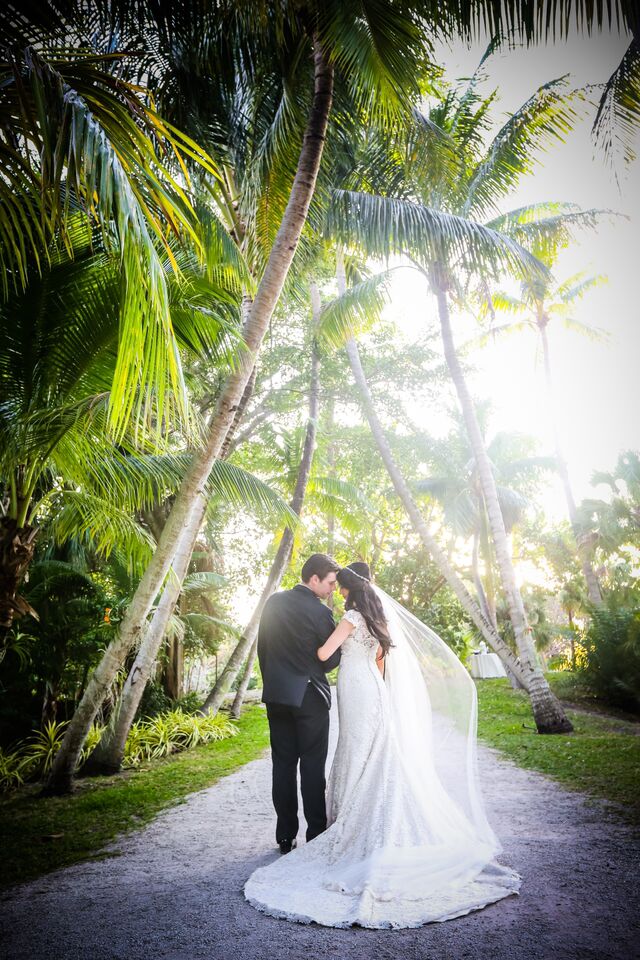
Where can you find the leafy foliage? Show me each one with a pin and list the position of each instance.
(611, 666)
(151, 739)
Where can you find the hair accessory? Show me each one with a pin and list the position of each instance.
(358, 575)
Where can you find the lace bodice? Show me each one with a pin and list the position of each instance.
(359, 643)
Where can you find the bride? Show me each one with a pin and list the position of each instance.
(407, 840)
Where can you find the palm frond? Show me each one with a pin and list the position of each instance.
(544, 235)
(375, 47)
(615, 128)
(86, 130)
(201, 621)
(237, 487)
(85, 516)
(546, 117)
(384, 226)
(352, 313)
(203, 582)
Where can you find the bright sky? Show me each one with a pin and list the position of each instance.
(596, 382)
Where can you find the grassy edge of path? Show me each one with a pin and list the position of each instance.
(601, 758)
(38, 835)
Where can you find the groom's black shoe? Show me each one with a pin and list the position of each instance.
(286, 846)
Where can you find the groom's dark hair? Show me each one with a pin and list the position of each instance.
(320, 564)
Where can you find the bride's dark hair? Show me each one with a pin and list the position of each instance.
(356, 579)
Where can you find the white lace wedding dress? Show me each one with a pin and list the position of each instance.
(396, 853)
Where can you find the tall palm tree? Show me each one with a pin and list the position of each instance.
(181, 529)
(539, 304)
(454, 245)
(338, 323)
(331, 49)
(108, 754)
(248, 646)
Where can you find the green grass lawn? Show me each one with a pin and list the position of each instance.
(40, 834)
(601, 757)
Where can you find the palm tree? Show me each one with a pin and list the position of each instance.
(108, 754)
(439, 229)
(249, 641)
(334, 50)
(539, 303)
(615, 524)
(182, 527)
(338, 323)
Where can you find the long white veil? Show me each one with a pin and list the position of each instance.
(434, 711)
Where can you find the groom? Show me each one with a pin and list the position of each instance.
(293, 625)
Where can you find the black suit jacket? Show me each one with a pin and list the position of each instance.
(294, 623)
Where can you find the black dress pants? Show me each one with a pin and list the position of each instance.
(299, 734)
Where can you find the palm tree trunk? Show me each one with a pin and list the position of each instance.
(488, 607)
(285, 547)
(477, 581)
(593, 587)
(572, 641)
(267, 295)
(173, 679)
(242, 406)
(17, 546)
(107, 756)
(331, 470)
(467, 602)
(547, 711)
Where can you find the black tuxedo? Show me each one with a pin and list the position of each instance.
(294, 623)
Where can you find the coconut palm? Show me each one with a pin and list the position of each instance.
(342, 317)
(540, 304)
(109, 753)
(454, 245)
(334, 46)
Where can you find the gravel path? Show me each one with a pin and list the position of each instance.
(175, 890)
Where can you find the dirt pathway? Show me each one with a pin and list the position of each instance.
(175, 890)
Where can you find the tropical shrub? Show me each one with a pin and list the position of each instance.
(172, 732)
(12, 769)
(149, 739)
(611, 664)
(154, 701)
(189, 703)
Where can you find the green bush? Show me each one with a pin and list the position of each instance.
(610, 663)
(172, 732)
(189, 703)
(154, 701)
(148, 740)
